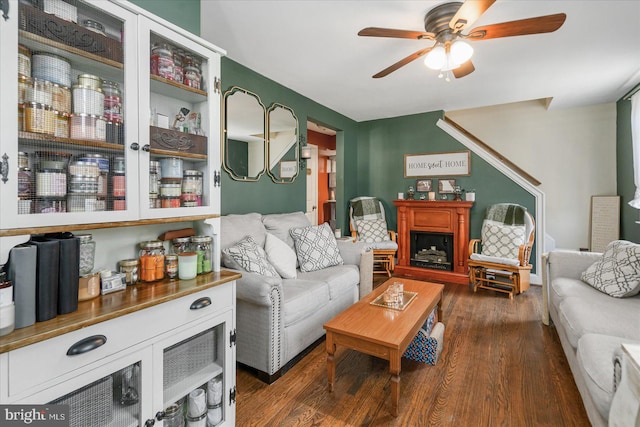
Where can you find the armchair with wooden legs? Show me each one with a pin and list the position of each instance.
(500, 261)
(368, 224)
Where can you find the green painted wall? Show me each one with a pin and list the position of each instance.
(264, 196)
(629, 230)
(382, 145)
(183, 13)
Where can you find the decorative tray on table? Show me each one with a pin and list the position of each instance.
(407, 297)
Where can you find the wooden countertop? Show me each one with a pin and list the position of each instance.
(116, 304)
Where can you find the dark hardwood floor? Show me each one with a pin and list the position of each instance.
(500, 367)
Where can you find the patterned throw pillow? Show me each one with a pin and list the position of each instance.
(248, 256)
(501, 240)
(316, 247)
(372, 230)
(618, 272)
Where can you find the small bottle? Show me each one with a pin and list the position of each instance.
(171, 266)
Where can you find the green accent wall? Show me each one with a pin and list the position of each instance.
(264, 195)
(183, 13)
(629, 230)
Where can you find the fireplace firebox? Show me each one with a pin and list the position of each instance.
(432, 250)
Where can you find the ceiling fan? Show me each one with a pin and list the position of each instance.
(445, 24)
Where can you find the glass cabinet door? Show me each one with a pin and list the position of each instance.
(180, 124)
(69, 114)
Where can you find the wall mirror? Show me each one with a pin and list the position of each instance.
(244, 142)
(282, 144)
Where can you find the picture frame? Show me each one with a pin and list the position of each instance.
(446, 186)
(457, 163)
(423, 185)
(288, 168)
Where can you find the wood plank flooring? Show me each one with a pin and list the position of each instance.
(500, 367)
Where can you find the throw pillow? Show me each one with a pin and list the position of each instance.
(501, 240)
(281, 256)
(248, 256)
(617, 273)
(372, 230)
(316, 247)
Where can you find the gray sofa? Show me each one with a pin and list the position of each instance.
(591, 326)
(277, 319)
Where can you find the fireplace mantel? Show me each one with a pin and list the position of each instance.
(435, 216)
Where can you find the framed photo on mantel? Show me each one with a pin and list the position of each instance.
(457, 163)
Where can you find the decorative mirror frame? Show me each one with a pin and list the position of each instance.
(296, 147)
(225, 150)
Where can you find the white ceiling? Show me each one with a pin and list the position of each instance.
(312, 47)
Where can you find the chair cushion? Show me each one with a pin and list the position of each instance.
(495, 259)
(372, 230)
(248, 256)
(281, 256)
(617, 273)
(501, 240)
(388, 245)
(316, 247)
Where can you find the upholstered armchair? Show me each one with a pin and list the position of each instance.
(500, 260)
(368, 224)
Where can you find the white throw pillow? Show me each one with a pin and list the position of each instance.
(281, 256)
(372, 230)
(316, 247)
(248, 256)
(618, 272)
(502, 241)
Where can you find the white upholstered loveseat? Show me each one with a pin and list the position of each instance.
(278, 318)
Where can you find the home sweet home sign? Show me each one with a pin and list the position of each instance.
(437, 164)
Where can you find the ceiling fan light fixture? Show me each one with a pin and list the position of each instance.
(460, 52)
(436, 59)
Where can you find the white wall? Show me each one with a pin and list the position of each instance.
(571, 151)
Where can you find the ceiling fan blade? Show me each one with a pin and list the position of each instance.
(399, 34)
(402, 63)
(464, 69)
(538, 25)
(469, 13)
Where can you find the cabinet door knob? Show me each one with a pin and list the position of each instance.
(146, 148)
(159, 416)
(149, 423)
(87, 344)
(200, 303)
(134, 146)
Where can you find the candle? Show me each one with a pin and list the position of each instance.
(187, 265)
(432, 195)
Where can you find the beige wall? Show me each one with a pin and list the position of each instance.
(571, 151)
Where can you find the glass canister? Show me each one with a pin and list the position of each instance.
(162, 63)
(130, 268)
(154, 177)
(174, 415)
(203, 246)
(181, 244)
(171, 266)
(112, 101)
(151, 261)
(192, 182)
(87, 253)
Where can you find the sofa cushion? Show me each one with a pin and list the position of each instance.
(281, 256)
(372, 230)
(617, 273)
(316, 247)
(562, 288)
(503, 241)
(599, 314)
(340, 278)
(302, 298)
(595, 360)
(247, 255)
(236, 227)
(280, 224)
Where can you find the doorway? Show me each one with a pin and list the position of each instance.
(321, 175)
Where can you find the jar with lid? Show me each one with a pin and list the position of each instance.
(181, 244)
(192, 182)
(203, 246)
(178, 71)
(112, 101)
(162, 63)
(130, 268)
(151, 261)
(154, 178)
(171, 266)
(87, 253)
(174, 415)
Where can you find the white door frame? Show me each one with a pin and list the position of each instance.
(312, 185)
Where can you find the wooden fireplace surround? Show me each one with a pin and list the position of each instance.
(436, 216)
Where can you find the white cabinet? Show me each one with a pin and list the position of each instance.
(51, 118)
(129, 370)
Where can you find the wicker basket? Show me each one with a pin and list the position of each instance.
(189, 356)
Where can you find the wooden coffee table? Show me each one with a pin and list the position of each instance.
(382, 332)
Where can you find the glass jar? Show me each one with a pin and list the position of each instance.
(151, 261)
(130, 268)
(181, 244)
(87, 253)
(162, 63)
(154, 178)
(192, 182)
(118, 185)
(88, 287)
(203, 246)
(178, 71)
(112, 101)
(171, 266)
(174, 415)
